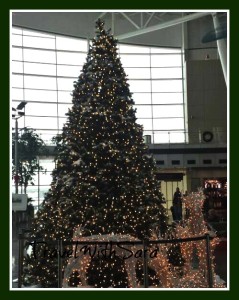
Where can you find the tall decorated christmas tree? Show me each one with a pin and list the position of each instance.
(104, 180)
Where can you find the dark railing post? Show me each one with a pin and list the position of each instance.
(209, 263)
(145, 259)
(59, 246)
(20, 259)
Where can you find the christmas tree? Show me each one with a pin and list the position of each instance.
(104, 180)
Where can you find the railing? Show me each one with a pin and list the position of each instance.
(216, 135)
(59, 244)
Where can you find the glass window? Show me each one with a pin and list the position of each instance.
(64, 96)
(177, 137)
(21, 122)
(165, 50)
(147, 123)
(17, 94)
(135, 60)
(63, 109)
(38, 42)
(158, 73)
(168, 124)
(16, 53)
(64, 43)
(65, 84)
(37, 82)
(44, 190)
(71, 58)
(167, 86)
(143, 111)
(142, 98)
(43, 56)
(17, 67)
(133, 49)
(45, 178)
(174, 60)
(16, 40)
(72, 71)
(40, 69)
(154, 76)
(41, 109)
(161, 137)
(160, 111)
(62, 122)
(41, 122)
(167, 98)
(47, 135)
(16, 30)
(139, 86)
(138, 73)
(17, 81)
(40, 95)
(37, 33)
(32, 190)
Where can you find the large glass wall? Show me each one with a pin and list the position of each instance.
(44, 67)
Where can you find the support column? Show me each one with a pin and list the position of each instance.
(16, 156)
(221, 46)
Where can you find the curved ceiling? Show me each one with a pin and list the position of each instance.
(159, 28)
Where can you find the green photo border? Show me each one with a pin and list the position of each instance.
(5, 153)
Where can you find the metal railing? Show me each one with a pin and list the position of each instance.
(145, 243)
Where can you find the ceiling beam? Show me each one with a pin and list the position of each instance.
(131, 21)
(101, 15)
(164, 25)
(149, 19)
(155, 16)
